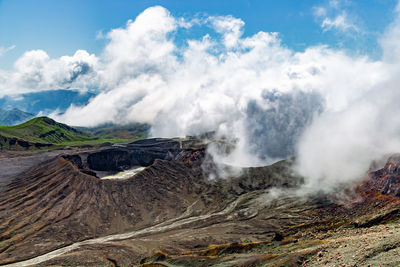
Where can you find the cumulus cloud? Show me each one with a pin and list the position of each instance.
(36, 71)
(334, 111)
(231, 29)
(142, 47)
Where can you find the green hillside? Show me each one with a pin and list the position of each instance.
(44, 130)
(114, 131)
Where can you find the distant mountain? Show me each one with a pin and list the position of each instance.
(13, 117)
(46, 101)
(39, 132)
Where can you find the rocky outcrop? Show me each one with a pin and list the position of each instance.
(387, 179)
(114, 159)
(7, 143)
(122, 157)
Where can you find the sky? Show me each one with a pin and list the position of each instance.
(61, 27)
(313, 79)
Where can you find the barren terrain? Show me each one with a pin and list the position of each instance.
(59, 212)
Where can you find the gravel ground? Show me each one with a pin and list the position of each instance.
(375, 246)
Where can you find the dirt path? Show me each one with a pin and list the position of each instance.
(169, 225)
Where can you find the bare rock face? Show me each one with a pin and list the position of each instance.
(140, 153)
(15, 143)
(391, 185)
(388, 178)
(114, 159)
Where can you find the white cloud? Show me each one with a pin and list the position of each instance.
(334, 16)
(100, 35)
(340, 22)
(320, 11)
(231, 28)
(142, 47)
(247, 89)
(36, 71)
(4, 50)
(334, 4)
(337, 111)
(390, 40)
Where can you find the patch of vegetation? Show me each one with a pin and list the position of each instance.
(44, 133)
(113, 131)
(101, 141)
(380, 217)
(43, 130)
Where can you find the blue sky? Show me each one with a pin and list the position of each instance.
(63, 26)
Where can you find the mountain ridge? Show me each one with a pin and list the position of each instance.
(13, 116)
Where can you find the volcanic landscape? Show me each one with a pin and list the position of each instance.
(151, 202)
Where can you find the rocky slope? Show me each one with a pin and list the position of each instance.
(66, 212)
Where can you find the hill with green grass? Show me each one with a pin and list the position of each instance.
(40, 132)
(112, 131)
(43, 132)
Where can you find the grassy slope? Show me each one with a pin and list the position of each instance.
(97, 141)
(111, 131)
(44, 130)
(47, 131)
